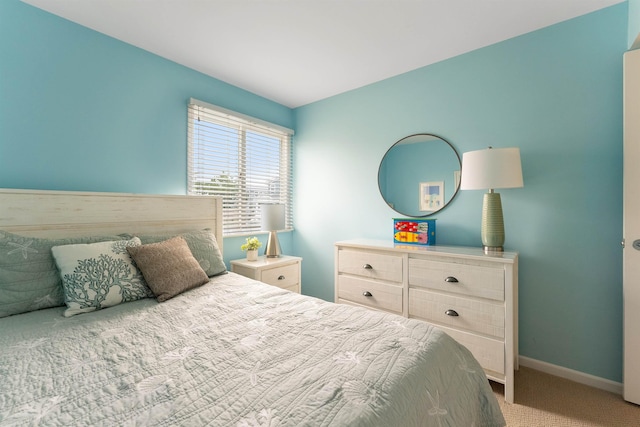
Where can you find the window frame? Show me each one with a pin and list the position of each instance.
(241, 210)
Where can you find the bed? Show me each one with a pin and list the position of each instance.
(230, 351)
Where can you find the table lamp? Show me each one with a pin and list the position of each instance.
(489, 169)
(273, 219)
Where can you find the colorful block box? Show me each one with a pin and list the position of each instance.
(414, 231)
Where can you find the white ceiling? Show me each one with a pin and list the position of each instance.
(296, 52)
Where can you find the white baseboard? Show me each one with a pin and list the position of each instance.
(570, 374)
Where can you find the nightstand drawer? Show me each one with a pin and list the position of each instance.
(282, 277)
(283, 272)
(370, 293)
(472, 280)
(370, 264)
(471, 314)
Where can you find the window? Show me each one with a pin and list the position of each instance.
(243, 160)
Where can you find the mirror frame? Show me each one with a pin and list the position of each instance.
(447, 202)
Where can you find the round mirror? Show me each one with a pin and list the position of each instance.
(419, 175)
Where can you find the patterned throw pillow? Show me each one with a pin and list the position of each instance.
(99, 275)
(168, 267)
(29, 279)
(204, 247)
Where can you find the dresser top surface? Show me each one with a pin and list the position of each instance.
(437, 250)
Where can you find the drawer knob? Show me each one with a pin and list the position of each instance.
(280, 277)
(451, 313)
(367, 294)
(367, 267)
(451, 279)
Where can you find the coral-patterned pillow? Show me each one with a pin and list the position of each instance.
(98, 275)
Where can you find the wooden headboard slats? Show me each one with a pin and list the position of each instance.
(55, 214)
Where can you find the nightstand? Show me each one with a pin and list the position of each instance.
(283, 272)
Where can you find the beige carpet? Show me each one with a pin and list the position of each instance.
(548, 401)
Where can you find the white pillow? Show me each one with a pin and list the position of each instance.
(98, 275)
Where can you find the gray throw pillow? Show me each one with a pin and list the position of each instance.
(203, 246)
(29, 279)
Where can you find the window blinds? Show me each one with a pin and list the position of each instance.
(244, 160)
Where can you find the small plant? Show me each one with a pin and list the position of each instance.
(252, 244)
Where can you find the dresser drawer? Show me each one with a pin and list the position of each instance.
(489, 352)
(472, 280)
(481, 316)
(383, 296)
(371, 264)
(282, 276)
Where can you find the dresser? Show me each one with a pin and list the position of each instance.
(283, 272)
(470, 295)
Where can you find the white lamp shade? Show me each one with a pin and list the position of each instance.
(272, 217)
(491, 168)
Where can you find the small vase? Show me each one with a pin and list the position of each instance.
(252, 255)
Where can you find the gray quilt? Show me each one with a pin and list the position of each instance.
(236, 352)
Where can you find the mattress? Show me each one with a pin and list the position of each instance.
(237, 352)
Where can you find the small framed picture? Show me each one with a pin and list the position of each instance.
(431, 196)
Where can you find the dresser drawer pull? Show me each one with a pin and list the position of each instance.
(451, 279)
(367, 294)
(280, 277)
(367, 267)
(451, 313)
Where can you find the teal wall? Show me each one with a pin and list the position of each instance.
(83, 111)
(557, 94)
(634, 21)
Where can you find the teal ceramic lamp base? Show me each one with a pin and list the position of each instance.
(492, 230)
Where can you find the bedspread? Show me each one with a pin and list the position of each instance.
(236, 352)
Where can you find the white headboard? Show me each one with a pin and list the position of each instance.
(56, 214)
